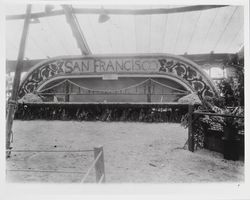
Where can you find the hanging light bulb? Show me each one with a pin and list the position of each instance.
(49, 8)
(103, 17)
(34, 21)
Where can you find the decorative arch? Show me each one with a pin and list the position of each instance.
(177, 68)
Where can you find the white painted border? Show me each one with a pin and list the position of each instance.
(194, 191)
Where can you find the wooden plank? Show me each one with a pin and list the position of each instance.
(98, 11)
(76, 29)
(216, 114)
(44, 171)
(67, 94)
(101, 179)
(27, 64)
(149, 90)
(99, 166)
(107, 103)
(190, 128)
(36, 15)
(107, 93)
(48, 151)
(91, 166)
(155, 11)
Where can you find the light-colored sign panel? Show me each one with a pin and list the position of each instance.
(107, 65)
(110, 67)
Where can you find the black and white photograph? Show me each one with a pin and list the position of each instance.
(131, 93)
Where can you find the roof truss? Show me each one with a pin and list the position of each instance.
(77, 32)
(118, 11)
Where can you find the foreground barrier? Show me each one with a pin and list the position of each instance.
(98, 163)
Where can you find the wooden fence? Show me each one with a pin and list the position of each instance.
(98, 163)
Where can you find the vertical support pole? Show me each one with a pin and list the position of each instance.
(16, 82)
(190, 128)
(149, 91)
(99, 166)
(224, 74)
(67, 91)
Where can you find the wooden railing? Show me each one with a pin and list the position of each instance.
(98, 163)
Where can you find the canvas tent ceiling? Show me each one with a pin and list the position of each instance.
(219, 30)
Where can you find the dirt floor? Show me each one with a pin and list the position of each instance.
(133, 153)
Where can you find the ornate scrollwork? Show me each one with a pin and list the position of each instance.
(189, 74)
(38, 75)
(186, 72)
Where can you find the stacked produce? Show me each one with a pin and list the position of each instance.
(30, 98)
(190, 99)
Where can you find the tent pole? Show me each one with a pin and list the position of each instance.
(13, 99)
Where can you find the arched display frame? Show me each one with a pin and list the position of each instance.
(179, 69)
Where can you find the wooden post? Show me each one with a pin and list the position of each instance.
(13, 99)
(99, 166)
(190, 128)
(67, 91)
(149, 91)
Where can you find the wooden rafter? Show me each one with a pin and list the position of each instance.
(76, 29)
(118, 11)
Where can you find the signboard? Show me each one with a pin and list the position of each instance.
(109, 77)
(110, 67)
(107, 65)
